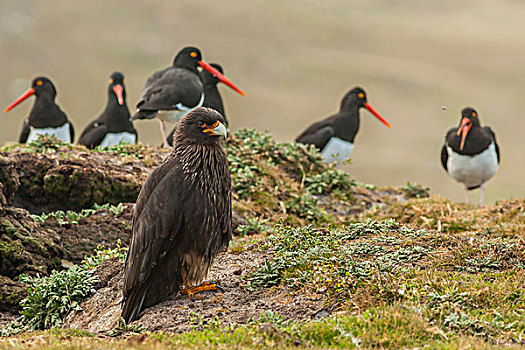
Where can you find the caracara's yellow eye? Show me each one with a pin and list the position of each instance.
(473, 114)
(39, 82)
(193, 54)
(361, 95)
(111, 80)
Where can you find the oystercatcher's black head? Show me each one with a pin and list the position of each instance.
(472, 116)
(40, 86)
(469, 119)
(203, 126)
(357, 97)
(116, 87)
(190, 57)
(211, 78)
(43, 85)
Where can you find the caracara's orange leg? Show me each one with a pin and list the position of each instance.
(203, 287)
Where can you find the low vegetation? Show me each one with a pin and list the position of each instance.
(396, 268)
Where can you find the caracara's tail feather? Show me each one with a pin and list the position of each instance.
(133, 303)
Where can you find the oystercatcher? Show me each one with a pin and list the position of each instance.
(113, 125)
(212, 97)
(46, 117)
(470, 154)
(334, 136)
(172, 92)
(182, 218)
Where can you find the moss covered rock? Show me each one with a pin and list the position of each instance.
(11, 293)
(73, 178)
(25, 247)
(8, 180)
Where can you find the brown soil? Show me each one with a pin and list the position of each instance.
(100, 313)
(101, 228)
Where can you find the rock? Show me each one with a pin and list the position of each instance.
(72, 178)
(9, 181)
(25, 247)
(102, 228)
(11, 293)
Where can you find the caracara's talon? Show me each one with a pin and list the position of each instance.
(203, 287)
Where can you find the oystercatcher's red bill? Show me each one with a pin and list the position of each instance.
(117, 89)
(221, 77)
(463, 129)
(28, 93)
(377, 115)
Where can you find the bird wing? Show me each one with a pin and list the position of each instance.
(165, 89)
(493, 136)
(71, 131)
(24, 134)
(444, 157)
(93, 134)
(317, 134)
(157, 221)
(450, 141)
(226, 219)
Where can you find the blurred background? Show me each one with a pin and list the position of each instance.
(420, 61)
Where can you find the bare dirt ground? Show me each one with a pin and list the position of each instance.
(100, 313)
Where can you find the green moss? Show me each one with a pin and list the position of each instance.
(8, 227)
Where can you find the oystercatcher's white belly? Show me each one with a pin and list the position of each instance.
(62, 133)
(337, 150)
(175, 115)
(473, 170)
(112, 139)
(171, 116)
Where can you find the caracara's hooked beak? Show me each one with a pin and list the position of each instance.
(221, 77)
(29, 92)
(377, 115)
(117, 89)
(463, 129)
(217, 129)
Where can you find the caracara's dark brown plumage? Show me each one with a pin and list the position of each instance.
(182, 217)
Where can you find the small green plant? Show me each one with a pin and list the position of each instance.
(71, 217)
(306, 207)
(123, 328)
(415, 190)
(274, 318)
(51, 298)
(102, 254)
(124, 149)
(114, 209)
(330, 180)
(268, 275)
(253, 226)
(11, 329)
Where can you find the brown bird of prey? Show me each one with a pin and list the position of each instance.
(182, 217)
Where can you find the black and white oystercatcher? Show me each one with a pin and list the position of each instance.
(334, 136)
(212, 97)
(172, 92)
(470, 154)
(113, 125)
(182, 217)
(46, 117)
